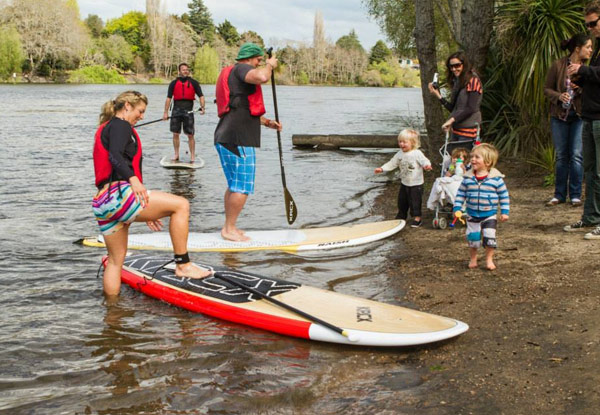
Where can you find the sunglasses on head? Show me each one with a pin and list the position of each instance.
(455, 65)
(591, 24)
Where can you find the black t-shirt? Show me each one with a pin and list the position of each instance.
(238, 127)
(184, 104)
(117, 137)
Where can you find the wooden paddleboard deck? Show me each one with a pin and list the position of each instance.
(291, 240)
(369, 323)
(168, 163)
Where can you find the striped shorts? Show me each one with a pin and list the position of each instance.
(479, 229)
(114, 208)
(239, 170)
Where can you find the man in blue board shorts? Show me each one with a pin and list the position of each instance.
(182, 91)
(241, 107)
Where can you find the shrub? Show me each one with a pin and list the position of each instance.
(96, 74)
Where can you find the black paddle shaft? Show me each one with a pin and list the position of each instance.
(160, 119)
(307, 316)
(290, 206)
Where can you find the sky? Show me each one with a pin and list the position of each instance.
(276, 21)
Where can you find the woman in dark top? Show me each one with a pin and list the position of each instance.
(122, 197)
(566, 124)
(465, 100)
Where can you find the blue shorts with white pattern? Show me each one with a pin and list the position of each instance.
(239, 170)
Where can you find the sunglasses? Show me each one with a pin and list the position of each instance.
(457, 65)
(589, 25)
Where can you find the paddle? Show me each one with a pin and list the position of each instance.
(160, 119)
(290, 206)
(307, 316)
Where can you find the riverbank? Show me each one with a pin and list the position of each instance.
(533, 343)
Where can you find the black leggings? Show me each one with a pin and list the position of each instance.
(409, 197)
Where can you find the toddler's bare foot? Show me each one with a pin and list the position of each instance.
(234, 236)
(490, 266)
(472, 264)
(190, 270)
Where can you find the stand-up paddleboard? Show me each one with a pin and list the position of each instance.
(366, 322)
(291, 240)
(169, 163)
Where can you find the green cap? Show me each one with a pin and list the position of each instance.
(249, 50)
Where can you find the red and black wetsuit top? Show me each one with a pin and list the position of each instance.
(117, 152)
(224, 96)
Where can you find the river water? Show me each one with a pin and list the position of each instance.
(63, 350)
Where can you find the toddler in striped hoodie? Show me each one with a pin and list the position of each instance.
(483, 189)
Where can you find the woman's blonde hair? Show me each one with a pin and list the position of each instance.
(110, 108)
(411, 135)
(488, 153)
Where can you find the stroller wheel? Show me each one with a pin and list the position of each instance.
(435, 223)
(442, 223)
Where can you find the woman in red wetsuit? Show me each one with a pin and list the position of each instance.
(122, 197)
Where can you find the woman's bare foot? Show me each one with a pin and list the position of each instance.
(472, 264)
(190, 270)
(234, 236)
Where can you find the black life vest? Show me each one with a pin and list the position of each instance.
(223, 96)
(102, 166)
(184, 90)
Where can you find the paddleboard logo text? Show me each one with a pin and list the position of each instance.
(363, 314)
(333, 243)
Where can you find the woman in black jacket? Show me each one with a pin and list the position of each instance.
(465, 100)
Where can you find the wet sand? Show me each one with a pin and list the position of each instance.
(533, 343)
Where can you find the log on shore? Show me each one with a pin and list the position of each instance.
(333, 141)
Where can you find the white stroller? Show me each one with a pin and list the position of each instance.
(444, 189)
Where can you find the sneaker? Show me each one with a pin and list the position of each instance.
(576, 202)
(595, 234)
(553, 202)
(576, 227)
(416, 223)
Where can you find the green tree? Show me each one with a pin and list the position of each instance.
(201, 20)
(379, 52)
(251, 36)
(349, 42)
(228, 33)
(11, 51)
(116, 51)
(206, 65)
(527, 41)
(133, 26)
(95, 24)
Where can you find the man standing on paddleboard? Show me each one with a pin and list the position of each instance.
(241, 107)
(182, 91)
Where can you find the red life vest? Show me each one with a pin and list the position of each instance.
(102, 166)
(184, 90)
(223, 95)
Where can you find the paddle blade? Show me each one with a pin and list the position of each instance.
(290, 206)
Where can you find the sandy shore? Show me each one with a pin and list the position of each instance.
(533, 343)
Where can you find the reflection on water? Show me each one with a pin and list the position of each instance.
(64, 350)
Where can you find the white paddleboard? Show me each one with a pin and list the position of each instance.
(291, 240)
(168, 163)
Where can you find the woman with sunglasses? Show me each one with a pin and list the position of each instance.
(464, 103)
(122, 197)
(565, 120)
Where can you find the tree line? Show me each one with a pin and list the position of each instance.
(47, 38)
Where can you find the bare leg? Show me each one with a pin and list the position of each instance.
(176, 146)
(192, 144)
(473, 261)
(178, 210)
(116, 245)
(489, 259)
(234, 203)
